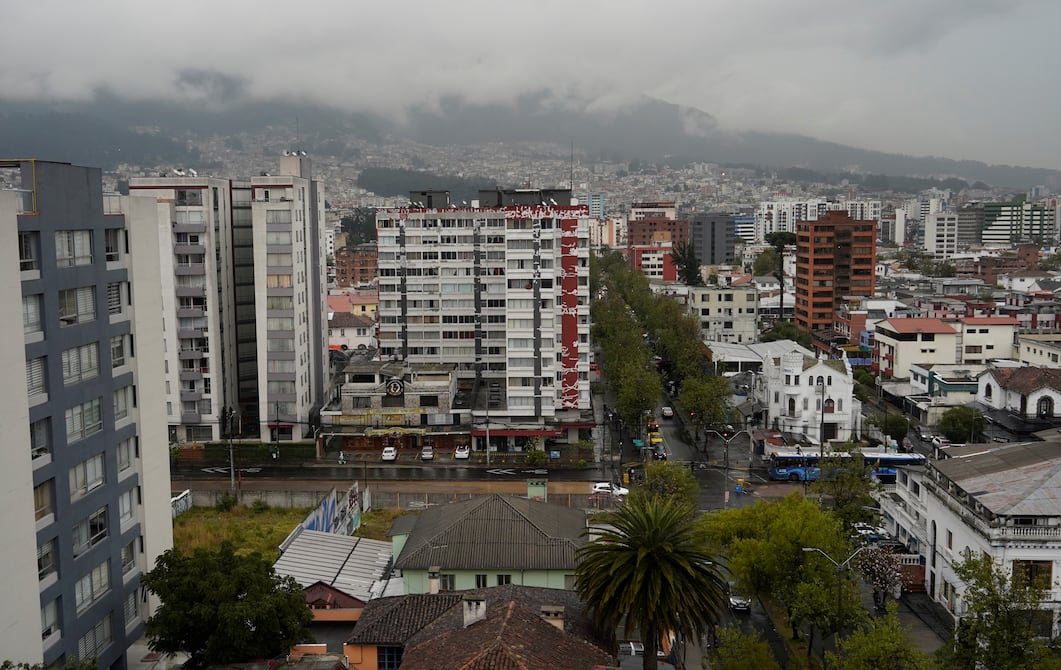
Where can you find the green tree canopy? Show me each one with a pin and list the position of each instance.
(649, 568)
(705, 397)
(894, 426)
(1000, 629)
(848, 482)
(220, 607)
(687, 263)
(882, 644)
(737, 650)
(962, 424)
(765, 263)
(669, 480)
(786, 330)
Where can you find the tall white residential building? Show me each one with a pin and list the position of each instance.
(726, 313)
(1006, 224)
(500, 288)
(782, 215)
(941, 234)
(85, 463)
(243, 300)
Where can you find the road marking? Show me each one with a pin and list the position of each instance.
(537, 472)
(501, 471)
(215, 471)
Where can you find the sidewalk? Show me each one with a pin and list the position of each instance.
(930, 624)
(139, 657)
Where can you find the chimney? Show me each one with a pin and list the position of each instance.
(553, 614)
(474, 609)
(432, 578)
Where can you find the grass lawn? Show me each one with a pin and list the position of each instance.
(253, 530)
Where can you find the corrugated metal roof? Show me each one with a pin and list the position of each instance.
(495, 532)
(1021, 479)
(350, 564)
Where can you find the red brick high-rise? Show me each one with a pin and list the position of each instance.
(835, 257)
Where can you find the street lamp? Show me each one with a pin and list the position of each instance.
(821, 426)
(843, 565)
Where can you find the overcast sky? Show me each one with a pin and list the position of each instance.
(958, 78)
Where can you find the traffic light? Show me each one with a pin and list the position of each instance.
(726, 432)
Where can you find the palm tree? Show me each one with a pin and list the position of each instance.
(649, 567)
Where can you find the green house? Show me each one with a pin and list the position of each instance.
(488, 541)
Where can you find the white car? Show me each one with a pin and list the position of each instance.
(608, 487)
(390, 454)
(667, 412)
(427, 453)
(462, 452)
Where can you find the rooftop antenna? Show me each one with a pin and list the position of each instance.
(571, 181)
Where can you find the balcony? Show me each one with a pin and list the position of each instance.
(190, 291)
(189, 227)
(191, 312)
(190, 374)
(189, 249)
(190, 269)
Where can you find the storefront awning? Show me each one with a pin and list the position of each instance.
(515, 432)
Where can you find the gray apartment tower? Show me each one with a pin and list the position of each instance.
(712, 236)
(243, 286)
(85, 464)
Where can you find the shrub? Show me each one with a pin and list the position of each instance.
(534, 457)
(259, 506)
(226, 502)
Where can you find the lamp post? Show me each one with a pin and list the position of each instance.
(821, 426)
(842, 565)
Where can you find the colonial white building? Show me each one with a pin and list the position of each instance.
(994, 500)
(1028, 392)
(810, 396)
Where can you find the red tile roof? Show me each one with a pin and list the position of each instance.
(1027, 380)
(918, 326)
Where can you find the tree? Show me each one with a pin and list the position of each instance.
(220, 607)
(894, 426)
(779, 240)
(649, 568)
(765, 263)
(737, 650)
(999, 629)
(685, 260)
(70, 664)
(962, 424)
(669, 480)
(786, 330)
(881, 645)
(882, 571)
(705, 399)
(849, 483)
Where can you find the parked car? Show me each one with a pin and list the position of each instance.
(390, 454)
(462, 452)
(667, 412)
(427, 453)
(869, 533)
(608, 487)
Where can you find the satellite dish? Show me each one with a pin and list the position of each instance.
(286, 152)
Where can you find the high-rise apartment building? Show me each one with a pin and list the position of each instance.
(243, 290)
(500, 288)
(1006, 224)
(712, 237)
(85, 463)
(835, 258)
(941, 234)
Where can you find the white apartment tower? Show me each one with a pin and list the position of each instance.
(85, 463)
(243, 266)
(941, 234)
(500, 288)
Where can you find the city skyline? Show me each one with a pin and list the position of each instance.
(899, 77)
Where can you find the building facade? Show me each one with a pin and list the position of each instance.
(355, 266)
(244, 289)
(835, 259)
(501, 289)
(85, 467)
(1006, 224)
(713, 238)
(941, 234)
(726, 314)
(810, 397)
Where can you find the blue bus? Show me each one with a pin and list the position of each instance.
(795, 465)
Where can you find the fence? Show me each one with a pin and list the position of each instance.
(181, 503)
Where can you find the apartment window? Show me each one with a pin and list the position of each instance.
(281, 344)
(73, 247)
(77, 305)
(92, 586)
(1038, 574)
(84, 420)
(126, 504)
(114, 241)
(128, 555)
(117, 351)
(86, 476)
(123, 400)
(39, 435)
(278, 237)
(950, 540)
(280, 323)
(502, 580)
(126, 452)
(447, 582)
(28, 251)
(569, 582)
(49, 619)
(277, 281)
(47, 554)
(42, 499)
(31, 314)
(89, 531)
(80, 363)
(279, 302)
(480, 581)
(131, 609)
(280, 260)
(96, 640)
(114, 297)
(35, 377)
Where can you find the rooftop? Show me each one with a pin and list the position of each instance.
(1020, 479)
(917, 325)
